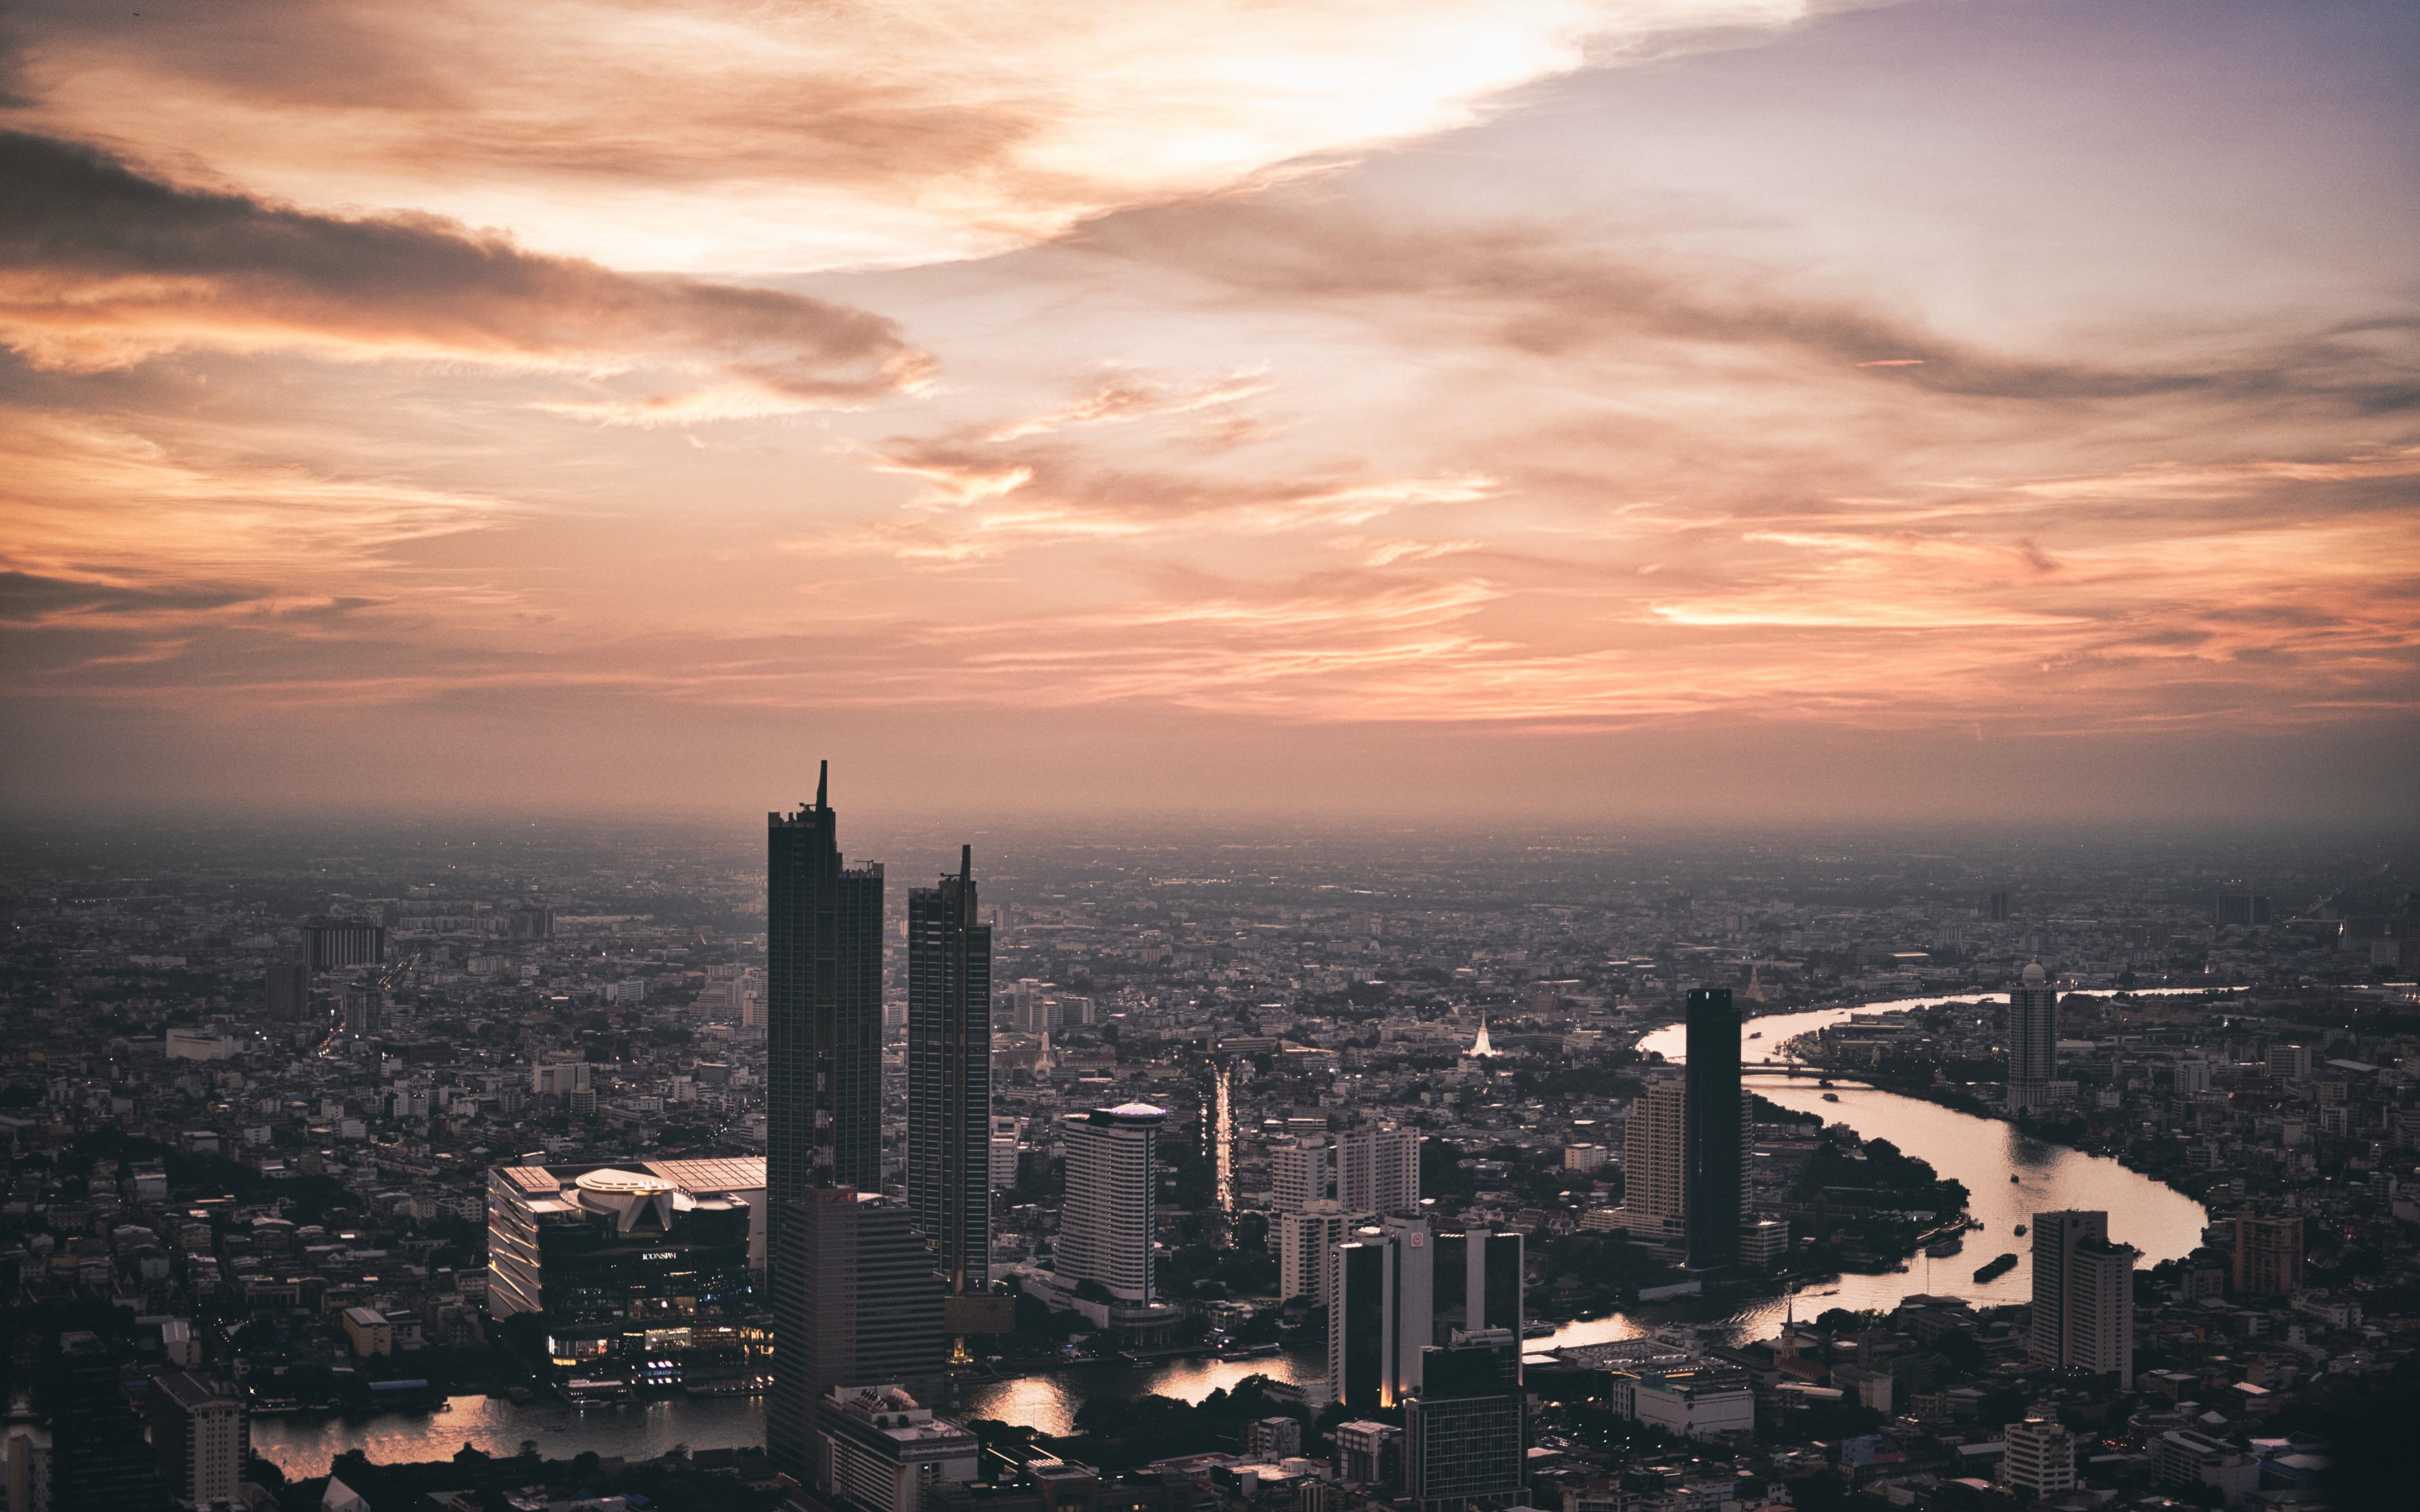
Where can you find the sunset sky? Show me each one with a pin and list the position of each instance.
(1743, 410)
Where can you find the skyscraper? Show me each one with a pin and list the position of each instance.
(949, 1078)
(1480, 1281)
(1653, 1177)
(2033, 1040)
(1715, 1153)
(823, 1006)
(1107, 1219)
(822, 1126)
(2083, 1296)
(855, 1299)
(2268, 1256)
(1381, 1312)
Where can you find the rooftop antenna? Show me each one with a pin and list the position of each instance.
(823, 778)
(966, 867)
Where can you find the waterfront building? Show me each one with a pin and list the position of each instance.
(855, 1299)
(948, 1078)
(200, 1437)
(1381, 1312)
(1480, 1281)
(655, 1244)
(879, 1450)
(1764, 1242)
(2033, 1041)
(1108, 1218)
(2083, 1296)
(1717, 1149)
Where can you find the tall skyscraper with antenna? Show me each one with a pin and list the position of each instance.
(829, 1264)
(822, 1007)
(949, 1078)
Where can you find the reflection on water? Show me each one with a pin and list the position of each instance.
(1981, 1152)
(302, 1444)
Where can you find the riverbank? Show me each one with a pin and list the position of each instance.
(1958, 1098)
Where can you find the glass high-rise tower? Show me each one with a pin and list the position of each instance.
(949, 1078)
(823, 1106)
(823, 1007)
(1714, 1149)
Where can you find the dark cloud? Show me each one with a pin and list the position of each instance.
(29, 597)
(100, 265)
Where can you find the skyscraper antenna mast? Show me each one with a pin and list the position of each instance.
(823, 781)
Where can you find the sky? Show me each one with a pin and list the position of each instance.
(1756, 411)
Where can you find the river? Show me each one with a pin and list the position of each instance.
(1983, 1153)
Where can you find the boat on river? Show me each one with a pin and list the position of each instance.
(1998, 1267)
(1941, 1249)
(1831, 1097)
(2021, 1230)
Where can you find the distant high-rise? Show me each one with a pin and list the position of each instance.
(1306, 1243)
(331, 944)
(949, 1078)
(2268, 1256)
(1998, 908)
(1715, 1151)
(2239, 908)
(1381, 1312)
(1107, 1219)
(2033, 1040)
(823, 1009)
(2083, 1296)
(1378, 1170)
(287, 988)
(1300, 1174)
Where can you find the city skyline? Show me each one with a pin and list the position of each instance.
(1762, 411)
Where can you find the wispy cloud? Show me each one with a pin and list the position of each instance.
(724, 134)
